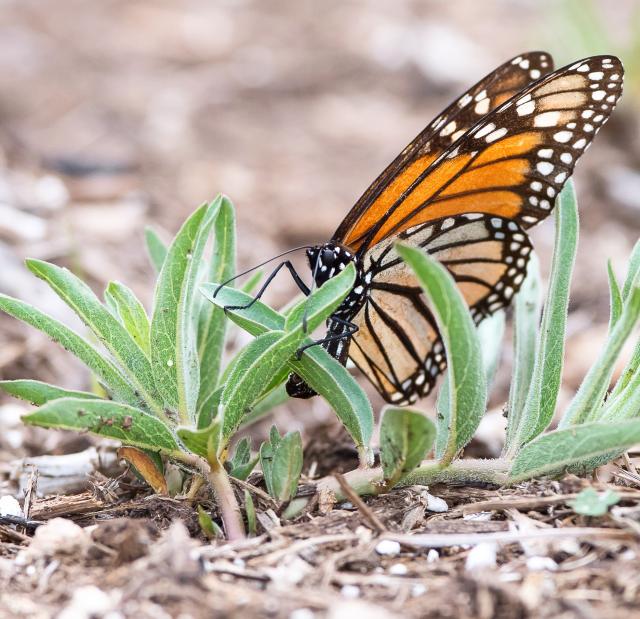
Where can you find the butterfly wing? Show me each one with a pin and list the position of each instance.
(490, 92)
(398, 346)
(511, 164)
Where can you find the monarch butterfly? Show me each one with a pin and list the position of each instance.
(465, 190)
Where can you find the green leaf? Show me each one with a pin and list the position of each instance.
(131, 312)
(252, 283)
(587, 402)
(241, 464)
(615, 297)
(257, 319)
(283, 461)
(527, 308)
(578, 446)
(466, 376)
(267, 402)
(39, 393)
(126, 352)
(257, 363)
(250, 510)
(111, 377)
(174, 355)
(406, 436)
(589, 502)
(212, 324)
(199, 441)
(323, 373)
(156, 249)
(625, 404)
(633, 271)
(491, 334)
(547, 371)
(208, 527)
(129, 425)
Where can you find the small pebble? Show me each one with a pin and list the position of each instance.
(418, 590)
(398, 569)
(388, 547)
(482, 556)
(433, 555)
(302, 613)
(350, 592)
(540, 564)
(9, 506)
(436, 504)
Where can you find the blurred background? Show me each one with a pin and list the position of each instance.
(122, 113)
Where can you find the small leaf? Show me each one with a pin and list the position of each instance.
(633, 271)
(39, 393)
(197, 441)
(574, 448)
(126, 352)
(286, 467)
(156, 249)
(129, 425)
(615, 297)
(528, 306)
(241, 464)
(547, 372)
(491, 334)
(589, 502)
(212, 322)
(273, 398)
(466, 375)
(131, 313)
(406, 436)
(174, 355)
(110, 375)
(146, 467)
(208, 527)
(587, 403)
(252, 283)
(250, 510)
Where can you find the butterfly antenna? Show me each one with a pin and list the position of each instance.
(257, 266)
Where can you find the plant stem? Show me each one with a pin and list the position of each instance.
(225, 497)
(371, 481)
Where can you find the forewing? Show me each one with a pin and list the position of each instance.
(512, 164)
(490, 92)
(398, 345)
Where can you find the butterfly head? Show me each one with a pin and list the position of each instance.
(328, 260)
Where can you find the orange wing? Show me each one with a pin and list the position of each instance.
(511, 164)
(490, 92)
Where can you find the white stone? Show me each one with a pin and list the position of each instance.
(481, 557)
(388, 547)
(9, 506)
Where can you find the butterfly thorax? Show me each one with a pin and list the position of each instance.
(329, 259)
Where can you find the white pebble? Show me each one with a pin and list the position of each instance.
(9, 506)
(350, 592)
(398, 569)
(436, 504)
(302, 613)
(481, 557)
(88, 602)
(433, 555)
(541, 564)
(418, 590)
(388, 547)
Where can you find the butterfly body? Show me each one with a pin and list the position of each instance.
(465, 191)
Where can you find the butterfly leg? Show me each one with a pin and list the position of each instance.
(349, 329)
(294, 274)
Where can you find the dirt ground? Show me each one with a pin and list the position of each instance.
(115, 115)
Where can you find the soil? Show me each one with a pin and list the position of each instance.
(117, 114)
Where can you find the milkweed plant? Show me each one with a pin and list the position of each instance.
(165, 395)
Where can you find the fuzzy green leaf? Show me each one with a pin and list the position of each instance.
(286, 467)
(199, 441)
(406, 436)
(39, 393)
(250, 510)
(633, 271)
(241, 464)
(590, 502)
(129, 425)
(587, 402)
(615, 297)
(547, 371)
(212, 325)
(491, 335)
(466, 376)
(124, 349)
(109, 375)
(575, 447)
(156, 249)
(527, 308)
(174, 355)
(131, 312)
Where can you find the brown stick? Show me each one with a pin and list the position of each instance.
(360, 504)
